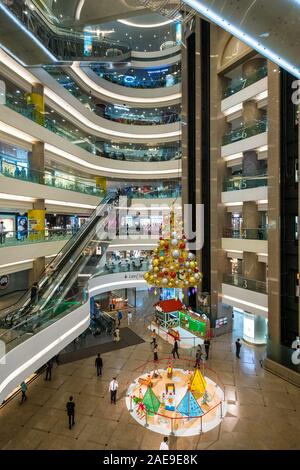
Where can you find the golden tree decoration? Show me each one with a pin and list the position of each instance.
(172, 264)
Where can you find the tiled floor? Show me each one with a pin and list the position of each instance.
(263, 410)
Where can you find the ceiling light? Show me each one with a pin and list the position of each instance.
(152, 25)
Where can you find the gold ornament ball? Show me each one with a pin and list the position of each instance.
(192, 264)
(161, 259)
(156, 269)
(162, 243)
(155, 262)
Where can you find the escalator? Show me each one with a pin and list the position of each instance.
(33, 331)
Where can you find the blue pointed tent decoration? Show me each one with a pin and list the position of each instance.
(189, 406)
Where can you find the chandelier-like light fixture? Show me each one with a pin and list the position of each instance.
(172, 264)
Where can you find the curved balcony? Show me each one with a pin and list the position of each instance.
(118, 113)
(48, 178)
(141, 78)
(112, 92)
(244, 132)
(63, 151)
(92, 144)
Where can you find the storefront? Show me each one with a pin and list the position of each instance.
(252, 328)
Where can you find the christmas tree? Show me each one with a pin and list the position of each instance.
(172, 264)
(189, 406)
(151, 401)
(198, 384)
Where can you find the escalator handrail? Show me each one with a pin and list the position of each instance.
(59, 257)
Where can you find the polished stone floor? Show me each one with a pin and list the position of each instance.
(263, 410)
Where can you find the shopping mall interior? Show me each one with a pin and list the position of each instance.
(148, 167)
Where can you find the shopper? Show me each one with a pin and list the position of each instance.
(175, 349)
(164, 445)
(129, 318)
(23, 390)
(198, 357)
(70, 406)
(155, 353)
(117, 335)
(238, 346)
(49, 366)
(207, 346)
(113, 388)
(2, 233)
(34, 292)
(120, 316)
(98, 365)
(154, 337)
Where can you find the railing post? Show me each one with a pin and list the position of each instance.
(146, 418)
(172, 428)
(221, 410)
(201, 429)
(130, 409)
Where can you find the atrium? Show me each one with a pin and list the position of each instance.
(148, 168)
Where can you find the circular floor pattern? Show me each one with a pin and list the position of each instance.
(207, 412)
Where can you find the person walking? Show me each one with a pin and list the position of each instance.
(117, 335)
(238, 346)
(164, 445)
(207, 346)
(155, 353)
(23, 390)
(70, 406)
(154, 337)
(34, 292)
(120, 316)
(113, 388)
(2, 233)
(175, 349)
(198, 356)
(98, 365)
(49, 366)
(129, 318)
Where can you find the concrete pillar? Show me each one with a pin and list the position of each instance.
(274, 149)
(37, 270)
(37, 162)
(252, 268)
(37, 98)
(250, 163)
(251, 113)
(251, 218)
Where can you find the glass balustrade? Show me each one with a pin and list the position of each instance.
(27, 237)
(118, 113)
(55, 123)
(246, 233)
(131, 265)
(156, 193)
(141, 78)
(238, 183)
(244, 132)
(249, 284)
(244, 82)
(69, 182)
